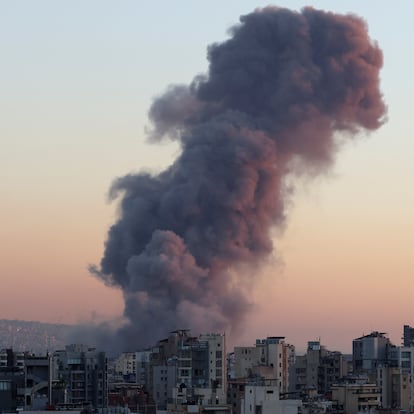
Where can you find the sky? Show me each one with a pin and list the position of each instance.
(76, 81)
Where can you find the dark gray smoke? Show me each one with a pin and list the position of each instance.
(189, 241)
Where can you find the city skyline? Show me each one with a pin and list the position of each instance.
(39, 338)
(74, 121)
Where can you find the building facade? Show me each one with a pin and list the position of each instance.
(317, 370)
(369, 352)
(355, 397)
(269, 359)
(79, 376)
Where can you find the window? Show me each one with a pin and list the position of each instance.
(5, 385)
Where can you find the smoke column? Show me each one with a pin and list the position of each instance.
(278, 97)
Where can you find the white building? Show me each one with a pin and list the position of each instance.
(134, 365)
(265, 399)
(126, 364)
(217, 363)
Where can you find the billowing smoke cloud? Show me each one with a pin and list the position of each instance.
(189, 241)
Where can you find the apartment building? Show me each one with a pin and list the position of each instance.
(369, 352)
(408, 335)
(269, 359)
(317, 370)
(395, 388)
(355, 396)
(79, 374)
(187, 369)
(133, 366)
(264, 398)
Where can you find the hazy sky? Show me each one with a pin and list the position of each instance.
(76, 81)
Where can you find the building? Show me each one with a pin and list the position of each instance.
(128, 397)
(264, 398)
(79, 376)
(369, 352)
(217, 364)
(126, 366)
(395, 388)
(164, 381)
(133, 367)
(11, 380)
(394, 377)
(235, 394)
(408, 335)
(269, 359)
(400, 356)
(332, 368)
(317, 370)
(355, 396)
(24, 381)
(37, 381)
(186, 369)
(142, 361)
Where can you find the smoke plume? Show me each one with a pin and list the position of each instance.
(278, 96)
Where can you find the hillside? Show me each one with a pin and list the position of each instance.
(33, 336)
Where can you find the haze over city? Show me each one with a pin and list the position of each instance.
(77, 84)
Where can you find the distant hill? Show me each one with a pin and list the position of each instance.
(36, 337)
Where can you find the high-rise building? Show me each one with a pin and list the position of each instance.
(369, 352)
(269, 359)
(408, 335)
(217, 363)
(317, 370)
(133, 366)
(187, 369)
(395, 387)
(80, 373)
(25, 381)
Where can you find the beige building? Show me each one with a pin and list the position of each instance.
(394, 385)
(353, 398)
(269, 359)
